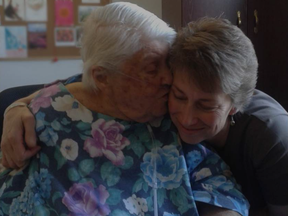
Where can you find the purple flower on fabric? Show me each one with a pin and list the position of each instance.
(83, 199)
(107, 140)
(44, 98)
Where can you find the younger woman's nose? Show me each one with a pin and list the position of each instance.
(188, 117)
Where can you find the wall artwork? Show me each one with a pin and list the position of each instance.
(91, 1)
(43, 29)
(2, 42)
(36, 10)
(14, 10)
(84, 11)
(16, 41)
(37, 36)
(79, 32)
(64, 13)
(65, 36)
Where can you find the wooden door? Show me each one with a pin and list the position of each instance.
(271, 45)
(194, 9)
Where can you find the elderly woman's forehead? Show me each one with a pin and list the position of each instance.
(153, 49)
(147, 54)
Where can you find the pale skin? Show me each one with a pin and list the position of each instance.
(199, 115)
(148, 65)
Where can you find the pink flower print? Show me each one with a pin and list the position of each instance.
(39, 102)
(50, 91)
(64, 13)
(83, 199)
(107, 140)
(44, 98)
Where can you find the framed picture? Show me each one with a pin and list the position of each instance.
(79, 32)
(84, 11)
(16, 41)
(37, 36)
(14, 10)
(64, 13)
(65, 36)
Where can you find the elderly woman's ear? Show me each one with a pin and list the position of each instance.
(233, 111)
(100, 77)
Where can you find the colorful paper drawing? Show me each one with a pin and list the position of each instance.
(79, 32)
(37, 36)
(2, 42)
(14, 10)
(84, 11)
(65, 36)
(64, 13)
(36, 10)
(16, 41)
(91, 1)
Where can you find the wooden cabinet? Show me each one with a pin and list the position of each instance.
(192, 10)
(269, 34)
(271, 45)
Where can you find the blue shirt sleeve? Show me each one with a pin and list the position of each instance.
(212, 181)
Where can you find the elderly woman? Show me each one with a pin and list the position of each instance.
(99, 155)
(213, 100)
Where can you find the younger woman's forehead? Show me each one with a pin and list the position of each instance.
(201, 81)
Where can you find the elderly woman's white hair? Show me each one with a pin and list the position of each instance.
(213, 50)
(115, 32)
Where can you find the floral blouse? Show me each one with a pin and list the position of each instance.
(94, 164)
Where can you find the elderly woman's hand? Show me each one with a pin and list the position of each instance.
(19, 123)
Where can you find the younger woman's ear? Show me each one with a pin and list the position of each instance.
(99, 76)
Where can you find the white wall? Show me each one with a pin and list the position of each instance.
(17, 73)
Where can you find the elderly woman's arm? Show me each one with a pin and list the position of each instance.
(210, 210)
(18, 128)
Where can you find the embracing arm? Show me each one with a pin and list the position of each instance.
(210, 210)
(18, 128)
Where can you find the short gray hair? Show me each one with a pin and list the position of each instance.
(113, 33)
(212, 50)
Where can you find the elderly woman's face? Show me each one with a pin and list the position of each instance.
(141, 92)
(198, 115)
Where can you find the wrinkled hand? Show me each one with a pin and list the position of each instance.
(18, 123)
